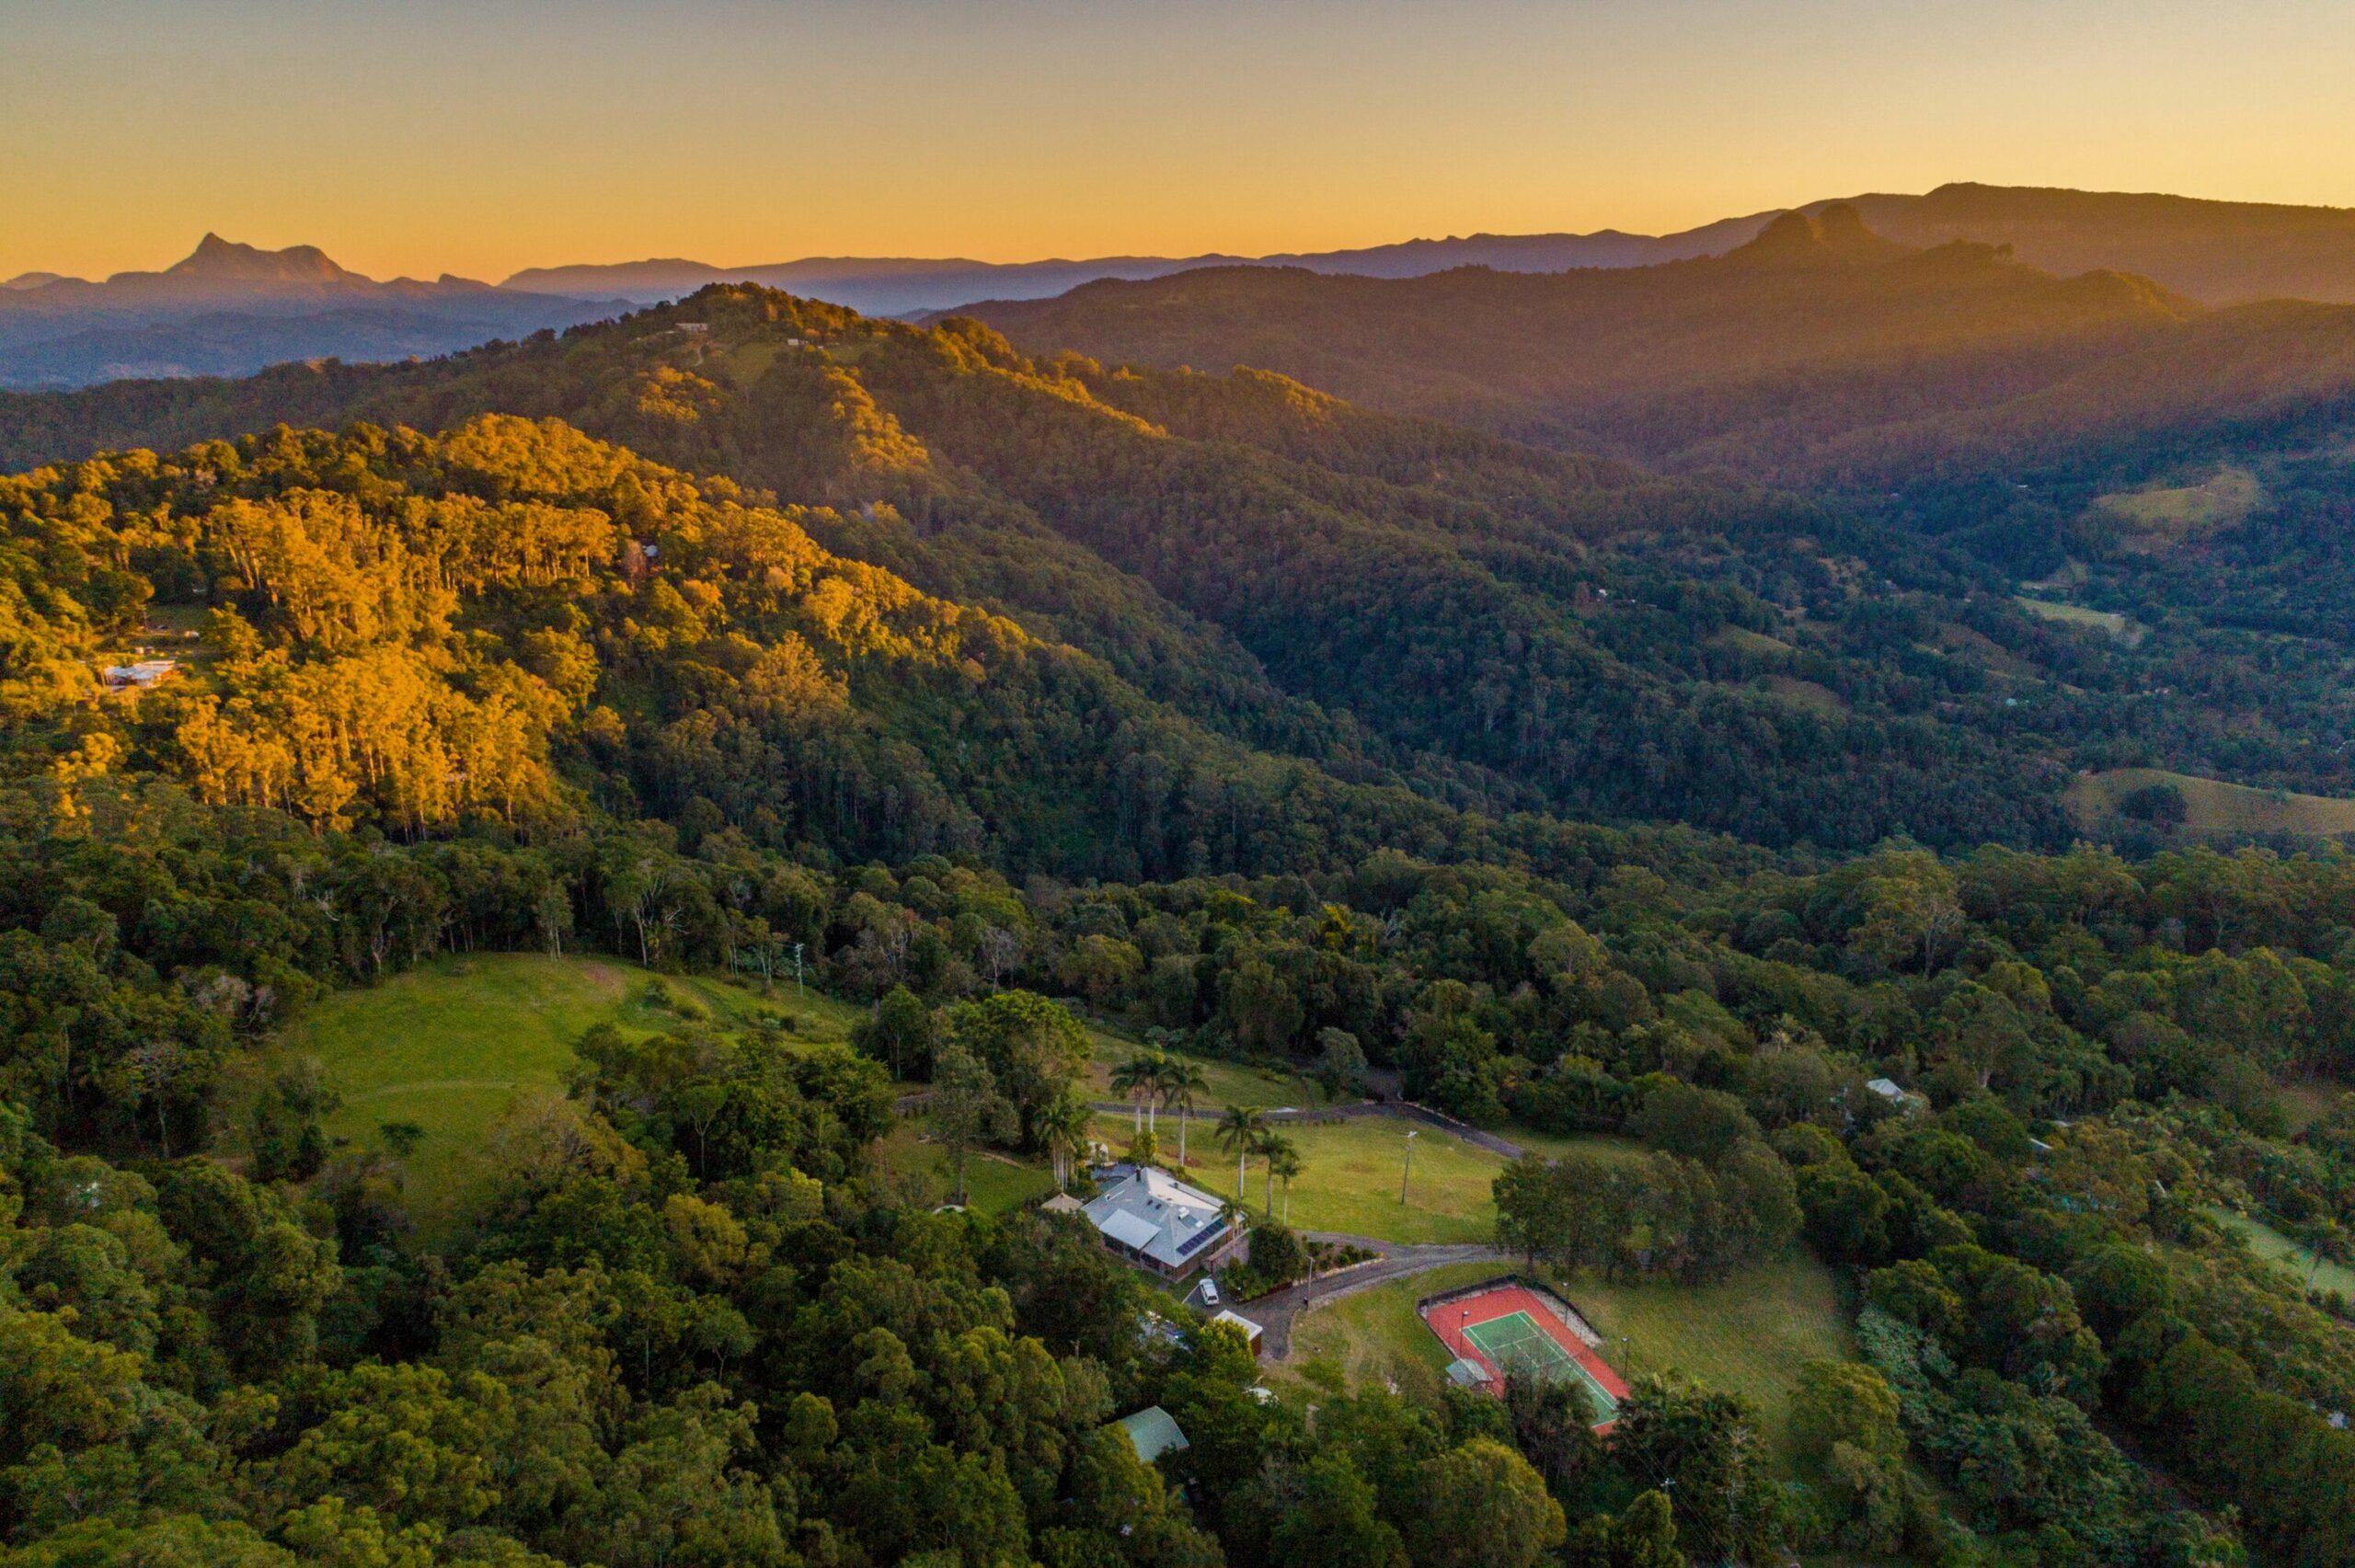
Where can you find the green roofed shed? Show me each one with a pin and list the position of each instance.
(1153, 1431)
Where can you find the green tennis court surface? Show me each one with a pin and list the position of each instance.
(1515, 1342)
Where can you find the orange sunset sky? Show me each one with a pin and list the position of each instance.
(483, 137)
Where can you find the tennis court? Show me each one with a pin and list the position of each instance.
(1512, 1331)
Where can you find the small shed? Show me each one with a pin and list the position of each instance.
(1251, 1331)
(1063, 1203)
(1153, 1431)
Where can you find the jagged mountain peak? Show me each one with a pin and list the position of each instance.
(217, 260)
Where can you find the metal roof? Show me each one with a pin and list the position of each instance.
(1129, 1230)
(1154, 1213)
(1153, 1431)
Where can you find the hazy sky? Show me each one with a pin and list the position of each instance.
(482, 136)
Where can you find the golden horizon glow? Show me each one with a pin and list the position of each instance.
(482, 139)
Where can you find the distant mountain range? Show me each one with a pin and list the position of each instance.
(898, 286)
(230, 309)
(2216, 252)
(1819, 352)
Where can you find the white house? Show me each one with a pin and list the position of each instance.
(141, 675)
(1152, 1218)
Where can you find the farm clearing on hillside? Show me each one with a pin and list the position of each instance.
(2213, 810)
(451, 1044)
(1747, 1335)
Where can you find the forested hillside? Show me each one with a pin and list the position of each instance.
(1819, 354)
(1384, 600)
(1265, 727)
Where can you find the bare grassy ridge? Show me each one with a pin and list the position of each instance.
(2214, 809)
(2162, 517)
(2108, 622)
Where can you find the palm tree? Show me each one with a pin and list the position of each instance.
(1180, 1084)
(1156, 1086)
(1133, 1081)
(1240, 1128)
(1275, 1147)
(1061, 1127)
(1284, 1165)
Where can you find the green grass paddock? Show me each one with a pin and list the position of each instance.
(451, 1044)
(1747, 1336)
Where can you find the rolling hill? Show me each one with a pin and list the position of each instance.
(2217, 252)
(1393, 602)
(1780, 359)
(1489, 636)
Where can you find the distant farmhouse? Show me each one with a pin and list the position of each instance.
(1149, 1217)
(1904, 1099)
(146, 672)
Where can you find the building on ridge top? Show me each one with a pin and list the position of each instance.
(1147, 1217)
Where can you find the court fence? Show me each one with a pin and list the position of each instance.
(1569, 1316)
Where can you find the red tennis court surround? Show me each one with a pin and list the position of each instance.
(1459, 1318)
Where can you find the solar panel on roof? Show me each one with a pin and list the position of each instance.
(1199, 1238)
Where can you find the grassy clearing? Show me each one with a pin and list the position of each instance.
(1743, 640)
(2276, 1248)
(2308, 1101)
(1348, 1180)
(2212, 808)
(1747, 1336)
(450, 1045)
(994, 1183)
(1810, 694)
(1231, 1082)
(2165, 516)
(2071, 574)
(2110, 622)
(1372, 1333)
(1969, 643)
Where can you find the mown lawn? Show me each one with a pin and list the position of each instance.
(450, 1045)
(1747, 1336)
(1350, 1176)
(1231, 1082)
(1370, 1334)
(2276, 1248)
(995, 1183)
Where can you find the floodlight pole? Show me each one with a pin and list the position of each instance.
(1409, 1169)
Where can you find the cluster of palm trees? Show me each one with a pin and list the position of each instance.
(1245, 1130)
(1155, 1081)
(1151, 1079)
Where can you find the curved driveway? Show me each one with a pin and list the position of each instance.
(1276, 1312)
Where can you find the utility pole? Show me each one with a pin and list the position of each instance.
(1405, 1175)
(798, 989)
